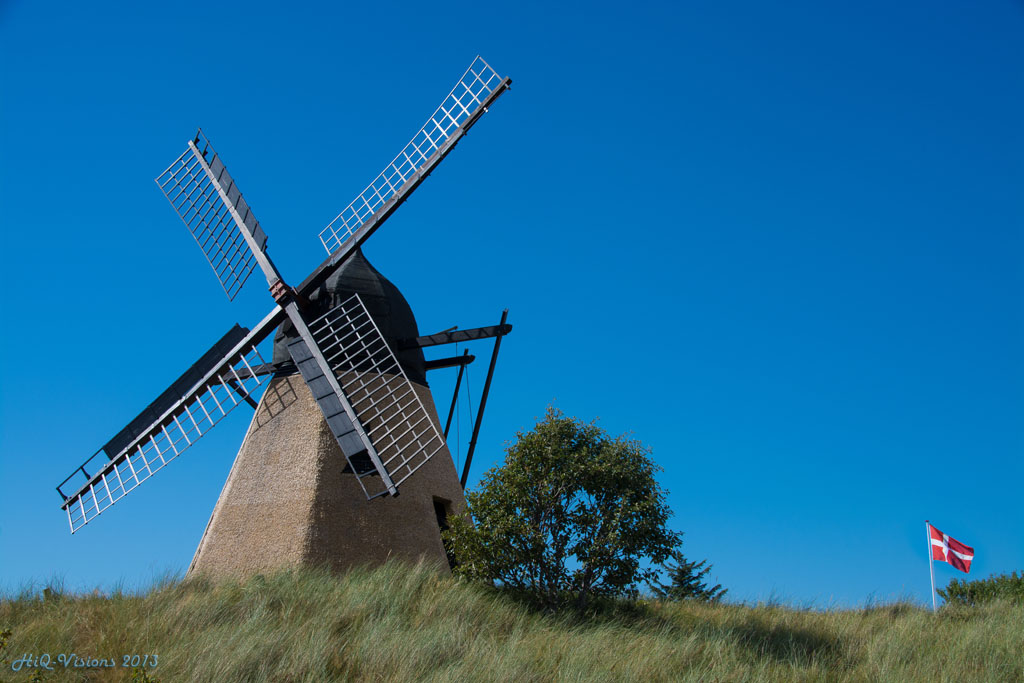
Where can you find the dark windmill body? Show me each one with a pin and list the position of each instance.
(345, 414)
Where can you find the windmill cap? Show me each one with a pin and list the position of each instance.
(385, 303)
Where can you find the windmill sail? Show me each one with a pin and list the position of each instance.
(210, 204)
(466, 102)
(222, 378)
(384, 400)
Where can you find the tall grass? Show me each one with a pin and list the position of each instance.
(408, 624)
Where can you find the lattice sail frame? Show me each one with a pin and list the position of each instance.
(194, 184)
(198, 411)
(460, 104)
(384, 400)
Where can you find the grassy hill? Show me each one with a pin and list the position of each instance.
(403, 624)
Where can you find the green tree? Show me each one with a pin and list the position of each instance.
(568, 516)
(686, 581)
(1009, 587)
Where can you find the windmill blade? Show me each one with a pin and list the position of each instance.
(210, 204)
(468, 100)
(221, 379)
(385, 402)
(396, 433)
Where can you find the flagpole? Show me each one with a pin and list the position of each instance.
(931, 561)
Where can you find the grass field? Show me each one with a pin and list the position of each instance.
(405, 624)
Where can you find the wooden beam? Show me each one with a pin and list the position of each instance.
(452, 362)
(455, 336)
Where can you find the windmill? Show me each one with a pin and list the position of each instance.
(344, 408)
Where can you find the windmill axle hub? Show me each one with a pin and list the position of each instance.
(281, 292)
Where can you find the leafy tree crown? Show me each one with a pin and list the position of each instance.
(569, 515)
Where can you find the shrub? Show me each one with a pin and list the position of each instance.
(1009, 587)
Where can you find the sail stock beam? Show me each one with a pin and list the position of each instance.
(471, 97)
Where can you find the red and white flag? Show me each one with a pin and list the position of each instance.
(950, 550)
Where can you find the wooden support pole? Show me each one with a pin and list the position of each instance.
(483, 397)
(455, 394)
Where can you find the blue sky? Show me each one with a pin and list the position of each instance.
(781, 245)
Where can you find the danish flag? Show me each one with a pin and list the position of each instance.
(946, 549)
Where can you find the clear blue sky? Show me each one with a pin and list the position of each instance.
(779, 242)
